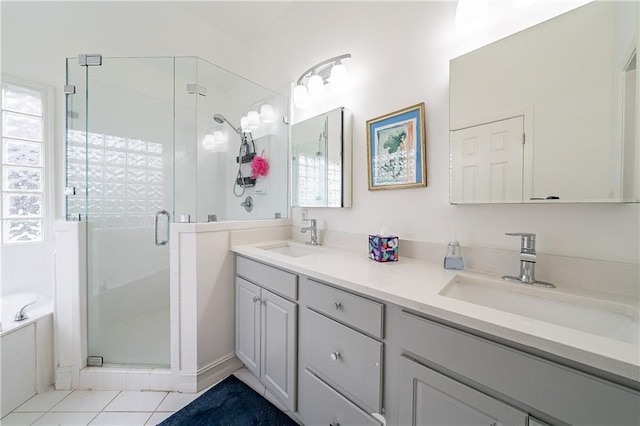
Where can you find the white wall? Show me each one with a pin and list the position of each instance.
(569, 116)
(400, 55)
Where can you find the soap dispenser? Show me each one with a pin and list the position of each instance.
(453, 259)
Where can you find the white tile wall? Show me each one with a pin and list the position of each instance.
(27, 268)
(115, 378)
(138, 379)
(70, 300)
(161, 379)
(92, 378)
(44, 353)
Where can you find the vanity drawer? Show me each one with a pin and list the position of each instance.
(281, 282)
(569, 395)
(321, 405)
(359, 312)
(349, 360)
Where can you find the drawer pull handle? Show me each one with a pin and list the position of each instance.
(334, 356)
(337, 306)
(334, 423)
(256, 299)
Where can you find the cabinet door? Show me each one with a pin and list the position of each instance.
(279, 347)
(429, 398)
(248, 324)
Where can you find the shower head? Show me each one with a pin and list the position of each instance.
(219, 118)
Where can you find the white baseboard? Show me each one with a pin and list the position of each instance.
(190, 382)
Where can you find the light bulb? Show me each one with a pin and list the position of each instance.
(208, 142)
(244, 124)
(339, 78)
(266, 113)
(254, 119)
(300, 96)
(316, 87)
(218, 136)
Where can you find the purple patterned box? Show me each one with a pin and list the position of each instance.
(383, 249)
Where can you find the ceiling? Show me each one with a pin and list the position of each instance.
(243, 20)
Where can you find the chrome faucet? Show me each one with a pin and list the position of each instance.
(314, 232)
(21, 315)
(527, 261)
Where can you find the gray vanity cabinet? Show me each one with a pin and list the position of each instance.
(553, 392)
(266, 327)
(430, 398)
(341, 356)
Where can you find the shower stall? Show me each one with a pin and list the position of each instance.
(143, 151)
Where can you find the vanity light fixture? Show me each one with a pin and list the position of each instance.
(301, 96)
(244, 125)
(208, 142)
(218, 136)
(258, 113)
(315, 86)
(339, 77)
(330, 71)
(253, 119)
(214, 140)
(266, 113)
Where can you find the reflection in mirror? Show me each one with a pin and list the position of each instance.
(549, 114)
(321, 160)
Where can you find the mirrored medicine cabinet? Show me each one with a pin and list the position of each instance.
(321, 160)
(550, 114)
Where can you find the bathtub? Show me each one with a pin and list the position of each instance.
(26, 349)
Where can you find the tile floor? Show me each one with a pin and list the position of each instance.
(113, 408)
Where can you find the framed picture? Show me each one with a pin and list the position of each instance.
(396, 149)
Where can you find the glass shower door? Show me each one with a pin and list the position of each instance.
(129, 144)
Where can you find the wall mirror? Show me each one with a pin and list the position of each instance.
(321, 160)
(549, 114)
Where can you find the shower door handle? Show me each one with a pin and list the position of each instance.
(155, 227)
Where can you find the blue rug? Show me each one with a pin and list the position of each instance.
(229, 403)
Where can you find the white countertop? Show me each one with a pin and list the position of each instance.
(416, 284)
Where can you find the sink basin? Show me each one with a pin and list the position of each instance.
(289, 249)
(612, 320)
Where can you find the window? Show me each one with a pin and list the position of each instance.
(319, 181)
(24, 143)
(125, 179)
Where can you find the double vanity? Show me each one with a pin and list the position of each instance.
(343, 340)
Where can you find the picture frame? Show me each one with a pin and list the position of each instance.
(396, 149)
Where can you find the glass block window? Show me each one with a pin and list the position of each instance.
(22, 155)
(313, 172)
(125, 178)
